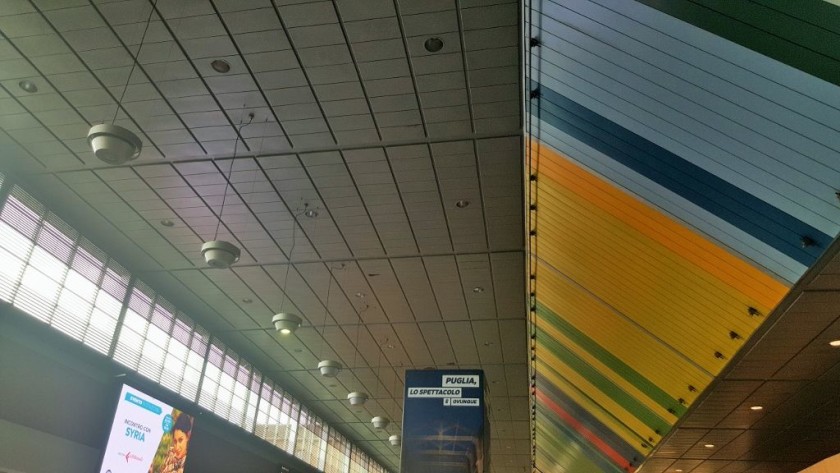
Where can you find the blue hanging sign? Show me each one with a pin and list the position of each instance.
(445, 428)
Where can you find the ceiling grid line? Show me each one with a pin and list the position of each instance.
(251, 72)
(285, 29)
(411, 71)
(231, 121)
(356, 67)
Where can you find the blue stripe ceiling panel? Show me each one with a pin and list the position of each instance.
(756, 217)
(673, 204)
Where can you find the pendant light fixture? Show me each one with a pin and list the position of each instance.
(110, 142)
(380, 422)
(219, 253)
(357, 398)
(286, 322)
(328, 368)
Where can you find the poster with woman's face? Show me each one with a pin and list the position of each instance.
(147, 436)
(171, 454)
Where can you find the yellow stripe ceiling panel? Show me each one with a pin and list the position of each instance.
(655, 361)
(643, 266)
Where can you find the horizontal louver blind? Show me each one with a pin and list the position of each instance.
(338, 453)
(311, 441)
(277, 420)
(356, 459)
(160, 343)
(51, 273)
(230, 387)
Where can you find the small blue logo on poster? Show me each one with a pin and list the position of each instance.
(167, 423)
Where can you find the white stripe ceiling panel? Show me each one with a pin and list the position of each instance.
(630, 76)
(609, 100)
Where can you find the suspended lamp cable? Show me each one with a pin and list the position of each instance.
(136, 58)
(218, 253)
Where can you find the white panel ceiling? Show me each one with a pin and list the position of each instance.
(354, 119)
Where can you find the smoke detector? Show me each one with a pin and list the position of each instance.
(220, 254)
(114, 144)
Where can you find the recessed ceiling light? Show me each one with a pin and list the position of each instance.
(221, 66)
(478, 289)
(311, 213)
(167, 223)
(834, 343)
(678, 470)
(487, 344)
(463, 203)
(709, 445)
(433, 44)
(756, 408)
(28, 86)
(390, 346)
(360, 295)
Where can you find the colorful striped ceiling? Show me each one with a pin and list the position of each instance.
(686, 157)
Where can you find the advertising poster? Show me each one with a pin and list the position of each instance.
(444, 422)
(147, 436)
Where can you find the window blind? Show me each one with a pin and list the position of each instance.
(277, 421)
(230, 387)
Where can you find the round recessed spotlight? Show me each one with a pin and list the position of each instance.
(462, 204)
(221, 66)
(709, 445)
(360, 295)
(167, 223)
(114, 144)
(311, 213)
(834, 343)
(28, 86)
(433, 44)
(478, 289)
(756, 408)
